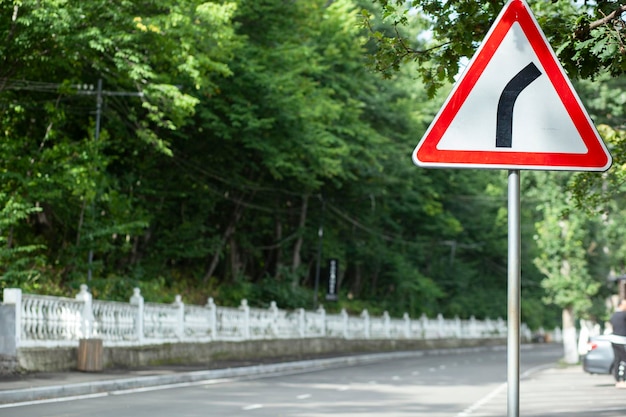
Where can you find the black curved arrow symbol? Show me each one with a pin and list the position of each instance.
(504, 123)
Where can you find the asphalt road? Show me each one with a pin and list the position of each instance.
(472, 384)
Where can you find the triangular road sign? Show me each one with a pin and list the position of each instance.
(513, 108)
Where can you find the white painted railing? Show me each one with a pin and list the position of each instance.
(44, 321)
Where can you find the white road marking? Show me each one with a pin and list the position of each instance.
(252, 407)
(469, 410)
(118, 392)
(303, 396)
(55, 400)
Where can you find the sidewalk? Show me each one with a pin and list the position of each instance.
(560, 391)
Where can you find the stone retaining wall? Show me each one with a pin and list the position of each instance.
(65, 359)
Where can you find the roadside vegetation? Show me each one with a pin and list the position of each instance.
(229, 149)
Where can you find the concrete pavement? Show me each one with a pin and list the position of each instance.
(38, 386)
(56, 386)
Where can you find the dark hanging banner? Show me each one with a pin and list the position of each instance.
(333, 272)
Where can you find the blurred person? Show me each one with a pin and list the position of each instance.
(618, 342)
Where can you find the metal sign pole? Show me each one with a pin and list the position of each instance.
(514, 289)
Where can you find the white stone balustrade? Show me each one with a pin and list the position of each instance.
(114, 322)
(50, 321)
(45, 321)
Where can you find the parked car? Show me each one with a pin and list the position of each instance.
(599, 357)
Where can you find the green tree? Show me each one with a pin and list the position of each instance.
(570, 244)
(589, 41)
(20, 260)
(228, 133)
(50, 159)
(588, 37)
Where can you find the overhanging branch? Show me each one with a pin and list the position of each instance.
(608, 18)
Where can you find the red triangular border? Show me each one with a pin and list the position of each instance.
(596, 159)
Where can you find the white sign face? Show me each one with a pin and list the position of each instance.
(540, 121)
(513, 108)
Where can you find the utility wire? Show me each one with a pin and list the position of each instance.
(44, 87)
(90, 90)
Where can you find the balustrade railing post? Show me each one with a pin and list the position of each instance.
(210, 305)
(473, 331)
(344, 322)
(440, 326)
(458, 327)
(407, 325)
(322, 313)
(274, 324)
(246, 319)
(180, 317)
(386, 324)
(502, 327)
(366, 324)
(11, 322)
(87, 319)
(526, 335)
(425, 325)
(301, 323)
(137, 300)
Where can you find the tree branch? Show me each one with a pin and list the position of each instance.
(608, 18)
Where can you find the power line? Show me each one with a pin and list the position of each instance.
(45, 87)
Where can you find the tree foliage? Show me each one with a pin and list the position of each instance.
(228, 134)
(589, 37)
